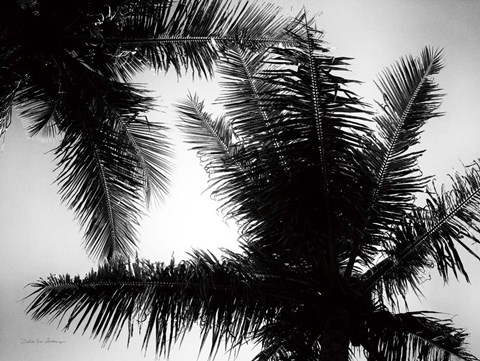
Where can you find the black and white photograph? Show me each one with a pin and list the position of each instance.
(249, 180)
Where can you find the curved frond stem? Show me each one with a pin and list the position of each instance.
(152, 151)
(193, 113)
(108, 203)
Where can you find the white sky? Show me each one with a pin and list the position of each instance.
(40, 236)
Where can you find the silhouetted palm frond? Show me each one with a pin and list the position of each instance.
(410, 98)
(430, 237)
(414, 335)
(168, 299)
(189, 34)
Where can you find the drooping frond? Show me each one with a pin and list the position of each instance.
(108, 154)
(100, 179)
(410, 99)
(151, 147)
(226, 301)
(415, 336)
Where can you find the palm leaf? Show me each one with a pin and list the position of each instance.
(169, 299)
(107, 148)
(98, 181)
(430, 236)
(225, 158)
(10, 82)
(188, 34)
(414, 335)
(213, 139)
(411, 98)
(153, 154)
(107, 156)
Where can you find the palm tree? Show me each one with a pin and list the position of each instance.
(323, 189)
(68, 66)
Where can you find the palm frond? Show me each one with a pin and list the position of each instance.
(213, 139)
(189, 34)
(243, 88)
(282, 339)
(314, 97)
(414, 335)
(411, 98)
(109, 153)
(97, 180)
(430, 237)
(153, 155)
(451, 213)
(218, 295)
(225, 158)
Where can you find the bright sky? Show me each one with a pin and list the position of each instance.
(40, 237)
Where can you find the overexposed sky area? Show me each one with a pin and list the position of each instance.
(40, 236)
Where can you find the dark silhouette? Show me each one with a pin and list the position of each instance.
(67, 65)
(323, 190)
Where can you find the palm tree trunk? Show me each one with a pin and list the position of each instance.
(335, 340)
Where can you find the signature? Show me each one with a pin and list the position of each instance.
(32, 341)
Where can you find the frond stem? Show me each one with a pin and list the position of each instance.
(108, 198)
(170, 39)
(321, 147)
